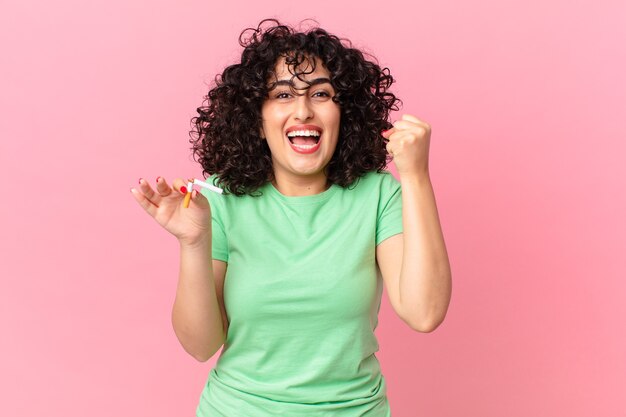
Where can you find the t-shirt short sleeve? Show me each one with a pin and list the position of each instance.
(218, 229)
(389, 220)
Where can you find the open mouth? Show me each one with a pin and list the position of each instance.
(304, 141)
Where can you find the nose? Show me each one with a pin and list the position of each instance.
(303, 110)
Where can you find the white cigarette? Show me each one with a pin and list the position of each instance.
(208, 186)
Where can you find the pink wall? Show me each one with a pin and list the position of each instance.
(528, 106)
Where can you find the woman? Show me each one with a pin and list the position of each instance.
(309, 228)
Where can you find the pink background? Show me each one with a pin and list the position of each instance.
(527, 101)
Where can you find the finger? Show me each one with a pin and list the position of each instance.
(148, 192)
(399, 139)
(199, 199)
(410, 118)
(390, 147)
(407, 125)
(144, 202)
(404, 124)
(180, 185)
(401, 135)
(162, 187)
(406, 139)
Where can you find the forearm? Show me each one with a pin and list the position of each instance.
(196, 314)
(425, 278)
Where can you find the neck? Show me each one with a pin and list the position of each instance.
(298, 187)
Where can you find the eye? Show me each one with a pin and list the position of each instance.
(282, 95)
(321, 95)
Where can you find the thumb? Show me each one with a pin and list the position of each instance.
(386, 133)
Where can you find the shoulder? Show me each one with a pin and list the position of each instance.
(381, 182)
(375, 177)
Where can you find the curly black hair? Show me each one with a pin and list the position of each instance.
(226, 139)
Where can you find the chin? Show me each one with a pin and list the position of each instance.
(309, 169)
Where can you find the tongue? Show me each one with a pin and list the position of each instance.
(304, 140)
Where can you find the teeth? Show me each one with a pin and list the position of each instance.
(303, 133)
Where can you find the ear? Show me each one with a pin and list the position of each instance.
(261, 133)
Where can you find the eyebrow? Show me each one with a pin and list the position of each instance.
(310, 84)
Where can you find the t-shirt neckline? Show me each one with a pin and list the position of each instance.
(304, 199)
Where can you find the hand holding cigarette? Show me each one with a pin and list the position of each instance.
(201, 184)
(170, 207)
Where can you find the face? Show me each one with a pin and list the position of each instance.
(301, 126)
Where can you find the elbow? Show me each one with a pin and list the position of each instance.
(427, 319)
(205, 354)
(424, 326)
(201, 351)
(201, 357)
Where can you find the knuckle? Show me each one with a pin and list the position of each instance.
(424, 130)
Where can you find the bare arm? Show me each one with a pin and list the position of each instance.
(415, 264)
(197, 314)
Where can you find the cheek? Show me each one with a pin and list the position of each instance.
(269, 113)
(336, 123)
(331, 117)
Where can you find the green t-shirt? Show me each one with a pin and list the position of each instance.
(302, 293)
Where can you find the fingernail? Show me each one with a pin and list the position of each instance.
(158, 178)
(140, 180)
(183, 189)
